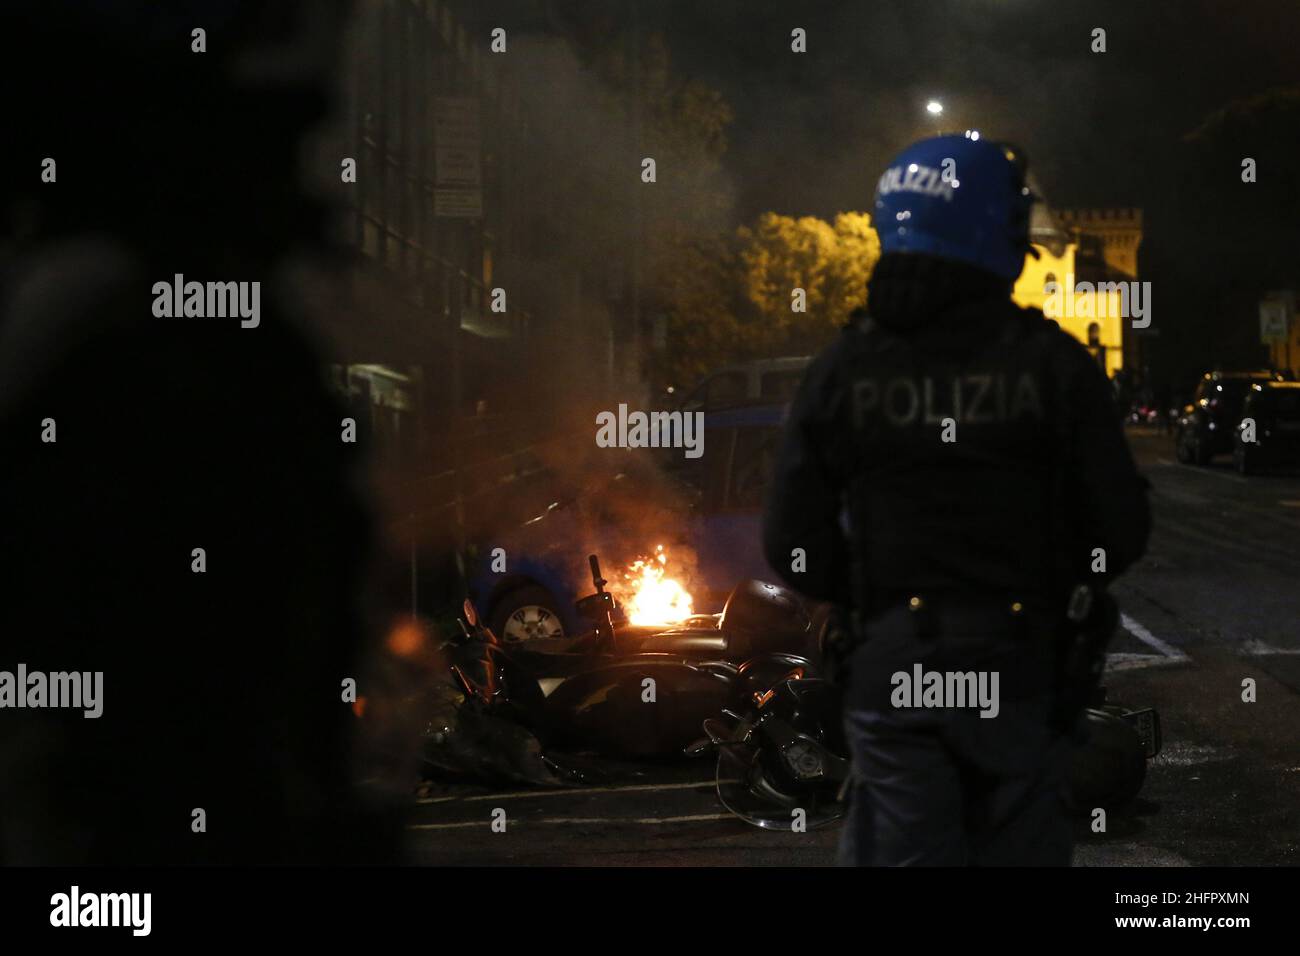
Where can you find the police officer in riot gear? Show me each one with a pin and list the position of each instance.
(954, 471)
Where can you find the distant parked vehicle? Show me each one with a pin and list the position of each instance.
(770, 381)
(1274, 410)
(1143, 414)
(1208, 426)
(714, 503)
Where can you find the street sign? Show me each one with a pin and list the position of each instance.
(1275, 317)
(457, 149)
(458, 203)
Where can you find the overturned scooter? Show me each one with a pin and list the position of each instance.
(625, 691)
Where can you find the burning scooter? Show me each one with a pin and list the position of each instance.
(627, 691)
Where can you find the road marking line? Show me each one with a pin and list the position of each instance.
(1256, 648)
(1149, 639)
(551, 821)
(1124, 661)
(524, 794)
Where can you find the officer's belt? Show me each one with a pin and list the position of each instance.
(949, 600)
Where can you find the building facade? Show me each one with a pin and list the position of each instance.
(1081, 255)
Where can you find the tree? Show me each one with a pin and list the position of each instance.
(731, 298)
(830, 262)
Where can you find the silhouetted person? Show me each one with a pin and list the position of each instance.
(221, 689)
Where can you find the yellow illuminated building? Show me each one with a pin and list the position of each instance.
(1048, 282)
(1284, 353)
(1094, 318)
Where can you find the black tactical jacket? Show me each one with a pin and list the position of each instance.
(977, 451)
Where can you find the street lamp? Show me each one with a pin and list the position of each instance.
(934, 107)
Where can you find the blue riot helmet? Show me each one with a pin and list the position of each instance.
(958, 198)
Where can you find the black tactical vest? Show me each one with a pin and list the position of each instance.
(952, 450)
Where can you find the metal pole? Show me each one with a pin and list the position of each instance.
(633, 338)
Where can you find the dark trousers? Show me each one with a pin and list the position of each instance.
(947, 787)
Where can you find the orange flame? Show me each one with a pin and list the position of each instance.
(651, 598)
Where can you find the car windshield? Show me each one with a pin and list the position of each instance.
(751, 466)
(1283, 404)
(1230, 392)
(688, 472)
(780, 386)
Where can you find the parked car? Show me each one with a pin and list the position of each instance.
(1274, 410)
(1208, 425)
(707, 509)
(767, 381)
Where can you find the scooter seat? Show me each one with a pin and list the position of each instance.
(705, 645)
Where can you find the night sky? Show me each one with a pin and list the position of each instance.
(813, 131)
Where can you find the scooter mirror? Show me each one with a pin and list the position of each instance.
(471, 613)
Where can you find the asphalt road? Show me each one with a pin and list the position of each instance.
(1216, 601)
